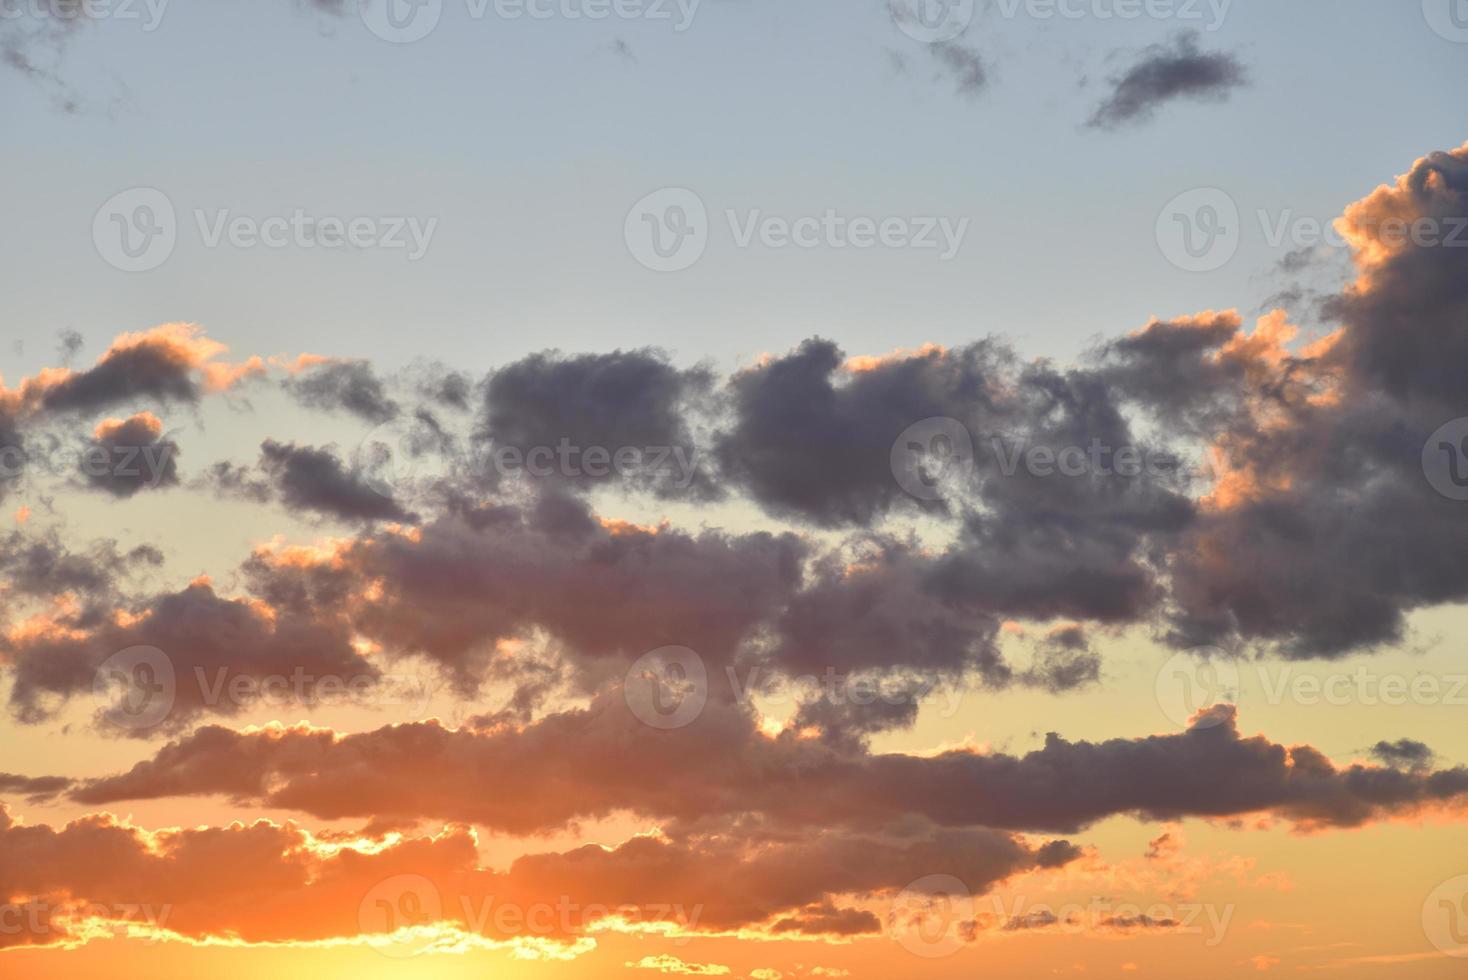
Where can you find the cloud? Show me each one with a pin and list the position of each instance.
(1402, 752)
(223, 655)
(963, 65)
(1164, 73)
(626, 400)
(277, 883)
(596, 761)
(343, 386)
(125, 456)
(315, 479)
(666, 963)
(35, 789)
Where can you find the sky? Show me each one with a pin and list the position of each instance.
(609, 488)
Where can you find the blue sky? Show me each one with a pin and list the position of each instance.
(528, 141)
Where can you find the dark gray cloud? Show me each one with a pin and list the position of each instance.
(1064, 661)
(344, 386)
(126, 456)
(154, 368)
(624, 400)
(1166, 72)
(593, 762)
(315, 479)
(1402, 752)
(35, 789)
(210, 644)
(962, 65)
(41, 566)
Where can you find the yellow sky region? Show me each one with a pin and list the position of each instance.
(1344, 903)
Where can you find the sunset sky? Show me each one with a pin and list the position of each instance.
(624, 488)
